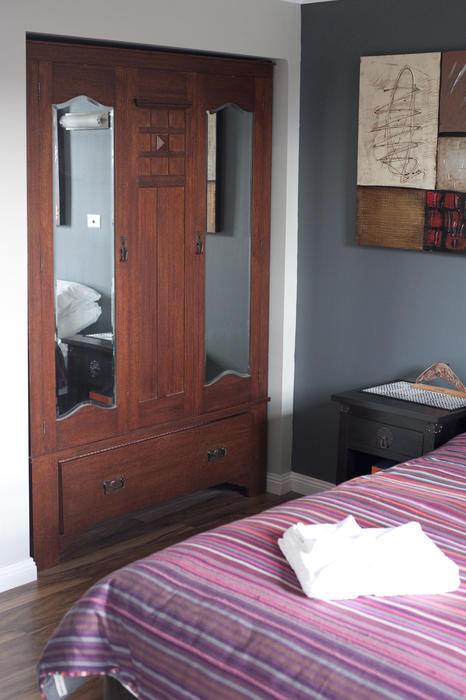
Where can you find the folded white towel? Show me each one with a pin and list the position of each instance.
(343, 560)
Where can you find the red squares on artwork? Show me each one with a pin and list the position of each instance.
(451, 200)
(452, 221)
(433, 199)
(455, 243)
(443, 200)
(434, 218)
(432, 238)
(445, 227)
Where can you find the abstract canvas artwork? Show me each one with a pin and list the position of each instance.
(412, 151)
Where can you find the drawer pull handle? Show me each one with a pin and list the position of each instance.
(384, 438)
(114, 485)
(216, 453)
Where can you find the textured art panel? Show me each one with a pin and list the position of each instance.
(391, 216)
(398, 120)
(451, 170)
(452, 92)
(445, 222)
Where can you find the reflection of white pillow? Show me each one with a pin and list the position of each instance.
(77, 318)
(78, 290)
(70, 294)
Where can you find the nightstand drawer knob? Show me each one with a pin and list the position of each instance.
(94, 368)
(384, 438)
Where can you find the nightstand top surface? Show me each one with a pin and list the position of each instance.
(363, 399)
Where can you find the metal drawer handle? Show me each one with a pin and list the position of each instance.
(384, 438)
(114, 485)
(217, 453)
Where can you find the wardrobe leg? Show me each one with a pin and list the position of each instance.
(45, 515)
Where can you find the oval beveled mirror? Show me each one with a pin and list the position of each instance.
(84, 254)
(228, 242)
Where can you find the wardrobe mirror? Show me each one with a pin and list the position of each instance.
(228, 242)
(83, 194)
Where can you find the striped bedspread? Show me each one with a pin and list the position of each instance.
(221, 616)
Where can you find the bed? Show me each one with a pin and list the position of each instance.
(222, 614)
(76, 307)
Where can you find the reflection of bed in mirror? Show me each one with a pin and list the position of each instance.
(77, 307)
(84, 361)
(90, 369)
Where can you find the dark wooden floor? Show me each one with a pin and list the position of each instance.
(30, 613)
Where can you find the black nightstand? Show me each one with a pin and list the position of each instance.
(90, 369)
(374, 426)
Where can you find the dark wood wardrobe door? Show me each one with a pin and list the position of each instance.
(250, 95)
(51, 83)
(156, 149)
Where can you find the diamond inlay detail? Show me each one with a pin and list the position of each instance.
(160, 143)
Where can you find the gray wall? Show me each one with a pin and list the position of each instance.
(364, 315)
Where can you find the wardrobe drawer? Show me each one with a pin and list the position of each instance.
(127, 478)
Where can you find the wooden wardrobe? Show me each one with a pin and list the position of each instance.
(166, 392)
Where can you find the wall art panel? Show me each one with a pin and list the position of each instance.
(412, 151)
(398, 120)
(445, 222)
(391, 216)
(451, 170)
(452, 92)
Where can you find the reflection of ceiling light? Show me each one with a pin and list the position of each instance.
(72, 121)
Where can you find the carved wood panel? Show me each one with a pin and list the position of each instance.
(158, 334)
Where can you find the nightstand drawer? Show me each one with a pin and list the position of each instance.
(381, 438)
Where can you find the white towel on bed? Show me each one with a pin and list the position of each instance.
(343, 560)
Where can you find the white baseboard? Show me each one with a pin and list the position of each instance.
(17, 574)
(280, 484)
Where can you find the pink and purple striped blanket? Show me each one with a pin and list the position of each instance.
(221, 616)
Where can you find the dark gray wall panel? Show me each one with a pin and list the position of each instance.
(364, 315)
